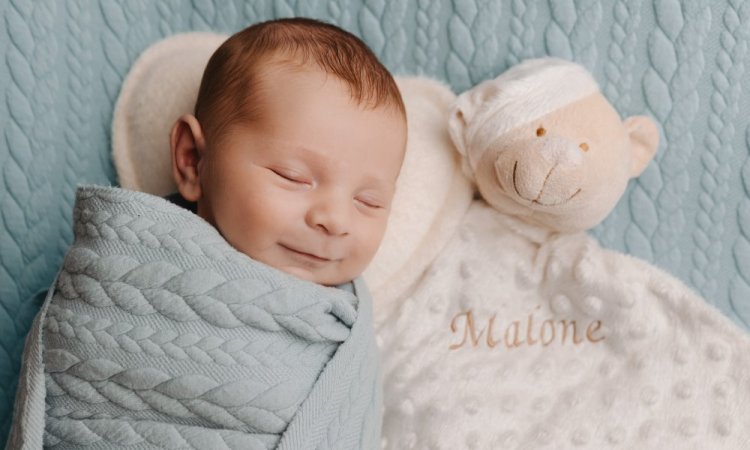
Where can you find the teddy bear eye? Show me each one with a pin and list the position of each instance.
(584, 146)
(541, 131)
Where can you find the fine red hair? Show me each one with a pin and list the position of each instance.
(230, 87)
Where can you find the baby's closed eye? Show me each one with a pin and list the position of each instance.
(368, 202)
(371, 201)
(291, 175)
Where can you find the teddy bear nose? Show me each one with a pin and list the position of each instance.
(546, 171)
(558, 150)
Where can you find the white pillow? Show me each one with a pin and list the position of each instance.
(431, 196)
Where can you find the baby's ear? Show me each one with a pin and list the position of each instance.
(644, 141)
(188, 148)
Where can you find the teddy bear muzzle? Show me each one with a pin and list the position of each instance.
(542, 172)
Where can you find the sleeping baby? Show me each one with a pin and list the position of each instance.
(234, 315)
(294, 149)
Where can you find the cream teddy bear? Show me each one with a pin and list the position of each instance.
(523, 332)
(543, 144)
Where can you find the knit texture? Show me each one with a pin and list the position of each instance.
(159, 334)
(685, 63)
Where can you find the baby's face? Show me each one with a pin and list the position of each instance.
(307, 187)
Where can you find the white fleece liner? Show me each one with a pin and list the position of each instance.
(659, 368)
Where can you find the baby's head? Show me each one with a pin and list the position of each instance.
(294, 149)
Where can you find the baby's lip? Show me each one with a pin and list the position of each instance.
(307, 254)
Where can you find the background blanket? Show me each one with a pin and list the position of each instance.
(160, 334)
(682, 62)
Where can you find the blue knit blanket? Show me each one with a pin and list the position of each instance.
(159, 334)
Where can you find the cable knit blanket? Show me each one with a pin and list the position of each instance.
(519, 339)
(159, 334)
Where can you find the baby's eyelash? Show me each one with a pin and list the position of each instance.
(293, 177)
(369, 204)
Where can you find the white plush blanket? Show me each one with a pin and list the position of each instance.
(514, 338)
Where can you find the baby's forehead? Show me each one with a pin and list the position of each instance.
(264, 86)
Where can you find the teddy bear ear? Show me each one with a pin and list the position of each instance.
(464, 111)
(644, 141)
(458, 120)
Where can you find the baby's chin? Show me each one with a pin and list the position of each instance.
(308, 275)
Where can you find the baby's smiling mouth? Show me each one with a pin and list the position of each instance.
(310, 256)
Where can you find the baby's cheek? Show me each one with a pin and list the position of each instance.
(269, 210)
(372, 239)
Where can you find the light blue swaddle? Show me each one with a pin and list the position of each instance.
(159, 334)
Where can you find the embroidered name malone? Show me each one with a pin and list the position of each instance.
(516, 334)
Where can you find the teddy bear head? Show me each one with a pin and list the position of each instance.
(542, 143)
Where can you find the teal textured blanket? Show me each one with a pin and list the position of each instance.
(159, 334)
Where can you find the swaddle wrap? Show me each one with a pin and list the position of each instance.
(159, 334)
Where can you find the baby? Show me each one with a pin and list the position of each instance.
(293, 152)
(158, 334)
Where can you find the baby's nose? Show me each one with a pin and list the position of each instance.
(330, 215)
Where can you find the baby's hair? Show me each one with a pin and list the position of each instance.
(229, 88)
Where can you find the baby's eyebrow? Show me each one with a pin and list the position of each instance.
(292, 150)
(372, 181)
(318, 155)
(306, 149)
(376, 183)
